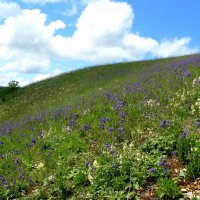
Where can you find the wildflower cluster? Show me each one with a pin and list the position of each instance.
(108, 144)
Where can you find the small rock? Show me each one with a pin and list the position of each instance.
(190, 195)
(183, 190)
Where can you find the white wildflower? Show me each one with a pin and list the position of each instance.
(193, 109)
(86, 112)
(95, 164)
(196, 81)
(40, 165)
(66, 129)
(90, 178)
(120, 159)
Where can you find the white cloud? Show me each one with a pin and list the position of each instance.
(6, 77)
(28, 44)
(137, 46)
(174, 47)
(27, 65)
(9, 9)
(43, 1)
(41, 77)
(98, 37)
(104, 34)
(24, 42)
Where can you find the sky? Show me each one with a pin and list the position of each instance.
(44, 38)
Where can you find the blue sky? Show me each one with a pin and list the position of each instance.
(42, 38)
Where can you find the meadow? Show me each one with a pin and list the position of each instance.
(121, 131)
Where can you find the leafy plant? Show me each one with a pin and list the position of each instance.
(163, 144)
(184, 146)
(193, 168)
(168, 189)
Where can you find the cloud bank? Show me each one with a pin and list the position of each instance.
(28, 43)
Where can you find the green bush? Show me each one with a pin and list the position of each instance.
(13, 84)
(193, 168)
(162, 144)
(184, 147)
(168, 190)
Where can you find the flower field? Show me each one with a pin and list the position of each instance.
(130, 132)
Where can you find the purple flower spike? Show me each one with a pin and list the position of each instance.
(184, 134)
(174, 153)
(111, 152)
(165, 169)
(198, 124)
(187, 74)
(87, 163)
(110, 130)
(163, 123)
(152, 170)
(34, 141)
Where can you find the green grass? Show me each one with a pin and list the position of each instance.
(107, 132)
(67, 88)
(4, 91)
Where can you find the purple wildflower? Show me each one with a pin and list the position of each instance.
(119, 105)
(120, 130)
(160, 163)
(111, 151)
(163, 123)
(21, 176)
(7, 186)
(103, 120)
(167, 164)
(110, 129)
(87, 163)
(122, 114)
(184, 134)
(197, 124)
(170, 122)
(152, 170)
(34, 141)
(174, 153)
(187, 74)
(101, 126)
(165, 169)
(71, 122)
(108, 146)
(76, 116)
(85, 127)
(17, 161)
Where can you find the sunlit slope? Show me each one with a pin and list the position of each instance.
(65, 88)
(128, 131)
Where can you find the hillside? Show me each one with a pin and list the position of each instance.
(4, 91)
(121, 131)
(64, 89)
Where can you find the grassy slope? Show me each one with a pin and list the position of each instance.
(66, 88)
(145, 116)
(4, 91)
